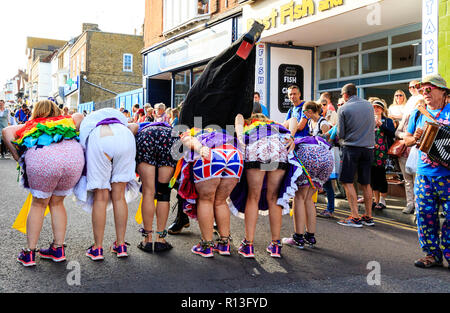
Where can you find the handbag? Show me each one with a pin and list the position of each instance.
(411, 162)
(397, 148)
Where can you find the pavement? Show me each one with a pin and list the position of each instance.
(393, 211)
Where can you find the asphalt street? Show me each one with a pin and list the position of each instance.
(375, 259)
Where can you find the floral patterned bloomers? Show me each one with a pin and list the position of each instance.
(54, 169)
(153, 146)
(267, 149)
(430, 192)
(318, 161)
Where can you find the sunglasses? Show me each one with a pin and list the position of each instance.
(427, 89)
(399, 95)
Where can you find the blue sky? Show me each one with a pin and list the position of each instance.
(59, 19)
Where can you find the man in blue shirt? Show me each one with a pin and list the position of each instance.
(22, 114)
(296, 111)
(258, 107)
(431, 187)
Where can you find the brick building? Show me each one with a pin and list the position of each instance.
(180, 37)
(102, 65)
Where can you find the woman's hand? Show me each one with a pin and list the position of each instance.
(289, 144)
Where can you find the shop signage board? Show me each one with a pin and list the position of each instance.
(430, 32)
(288, 74)
(194, 48)
(260, 71)
(281, 15)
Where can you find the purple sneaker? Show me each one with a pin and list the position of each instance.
(204, 249)
(223, 246)
(120, 250)
(295, 241)
(274, 249)
(246, 249)
(95, 254)
(57, 254)
(27, 257)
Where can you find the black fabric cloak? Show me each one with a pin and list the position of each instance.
(225, 88)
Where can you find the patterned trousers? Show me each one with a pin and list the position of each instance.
(431, 194)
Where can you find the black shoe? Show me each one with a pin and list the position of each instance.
(147, 247)
(181, 221)
(340, 195)
(162, 246)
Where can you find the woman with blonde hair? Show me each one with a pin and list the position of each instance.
(52, 161)
(397, 107)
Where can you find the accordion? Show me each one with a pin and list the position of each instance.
(435, 142)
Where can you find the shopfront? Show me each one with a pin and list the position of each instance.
(172, 66)
(322, 45)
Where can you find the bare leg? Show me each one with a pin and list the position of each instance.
(147, 174)
(255, 178)
(205, 206)
(59, 219)
(310, 211)
(274, 179)
(351, 198)
(221, 209)
(35, 220)
(367, 191)
(162, 207)
(101, 198)
(120, 211)
(300, 209)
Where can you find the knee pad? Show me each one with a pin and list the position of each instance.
(162, 192)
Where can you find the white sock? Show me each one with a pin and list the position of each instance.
(383, 201)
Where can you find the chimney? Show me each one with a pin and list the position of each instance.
(89, 26)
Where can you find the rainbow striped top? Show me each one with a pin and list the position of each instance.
(45, 131)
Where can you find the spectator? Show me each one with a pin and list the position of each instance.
(140, 116)
(415, 96)
(432, 179)
(4, 122)
(174, 113)
(328, 110)
(384, 137)
(318, 126)
(397, 108)
(148, 114)
(356, 132)
(134, 110)
(258, 107)
(400, 134)
(66, 111)
(296, 112)
(22, 115)
(160, 114)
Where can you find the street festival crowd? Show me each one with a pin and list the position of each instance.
(233, 160)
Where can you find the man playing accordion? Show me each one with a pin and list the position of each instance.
(432, 184)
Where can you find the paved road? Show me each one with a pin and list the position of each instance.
(344, 260)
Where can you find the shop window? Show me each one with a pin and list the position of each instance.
(182, 85)
(375, 62)
(196, 72)
(349, 49)
(328, 69)
(349, 66)
(374, 44)
(328, 54)
(406, 56)
(417, 35)
(386, 92)
(178, 12)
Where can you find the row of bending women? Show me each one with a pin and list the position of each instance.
(99, 166)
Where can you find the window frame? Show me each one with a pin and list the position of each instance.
(359, 41)
(124, 69)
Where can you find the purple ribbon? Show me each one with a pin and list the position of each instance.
(109, 120)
